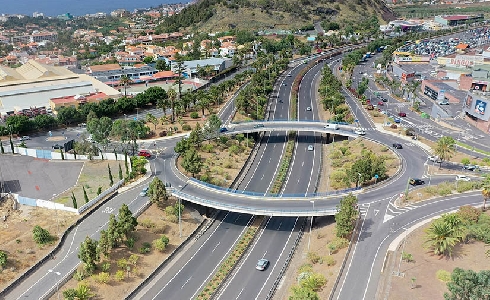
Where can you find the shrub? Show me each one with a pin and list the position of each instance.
(209, 148)
(130, 242)
(162, 133)
(169, 211)
(194, 115)
(306, 268)
(186, 127)
(147, 223)
(407, 257)
(80, 275)
(41, 236)
(469, 214)
(161, 243)
(340, 242)
(122, 263)
(119, 276)
(393, 126)
(313, 257)
(443, 275)
(329, 260)
(106, 266)
(102, 277)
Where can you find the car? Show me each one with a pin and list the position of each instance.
(310, 148)
(262, 264)
(397, 120)
(90, 139)
(308, 108)
(434, 158)
(144, 192)
(223, 129)
(443, 103)
(57, 146)
(470, 167)
(24, 138)
(384, 99)
(416, 181)
(332, 126)
(360, 131)
(380, 103)
(402, 114)
(284, 84)
(397, 146)
(289, 75)
(462, 178)
(258, 125)
(144, 153)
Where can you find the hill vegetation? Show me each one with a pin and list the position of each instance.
(222, 15)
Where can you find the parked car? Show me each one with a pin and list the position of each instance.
(416, 181)
(223, 129)
(144, 153)
(310, 148)
(397, 120)
(462, 178)
(397, 146)
(262, 264)
(24, 138)
(144, 192)
(384, 99)
(402, 114)
(380, 103)
(443, 103)
(434, 159)
(57, 146)
(470, 167)
(258, 125)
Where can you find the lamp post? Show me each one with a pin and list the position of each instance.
(359, 175)
(57, 282)
(56, 213)
(180, 225)
(311, 225)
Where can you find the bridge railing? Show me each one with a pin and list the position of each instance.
(257, 194)
(247, 209)
(292, 121)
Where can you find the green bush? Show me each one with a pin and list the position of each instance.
(186, 127)
(443, 275)
(329, 260)
(306, 268)
(161, 243)
(41, 236)
(119, 276)
(407, 257)
(147, 223)
(194, 115)
(102, 277)
(106, 266)
(313, 257)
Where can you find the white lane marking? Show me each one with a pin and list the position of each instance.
(216, 246)
(239, 294)
(185, 283)
(190, 259)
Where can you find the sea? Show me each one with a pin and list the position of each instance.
(54, 8)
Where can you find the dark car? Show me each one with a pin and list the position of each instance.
(223, 129)
(416, 181)
(402, 114)
(397, 146)
(384, 99)
(258, 125)
(57, 146)
(470, 167)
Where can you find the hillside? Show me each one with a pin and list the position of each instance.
(222, 15)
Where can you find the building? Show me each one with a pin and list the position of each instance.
(404, 74)
(454, 20)
(34, 84)
(111, 73)
(76, 100)
(443, 91)
(476, 112)
(191, 67)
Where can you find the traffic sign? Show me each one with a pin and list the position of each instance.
(376, 176)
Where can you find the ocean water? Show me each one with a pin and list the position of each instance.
(75, 7)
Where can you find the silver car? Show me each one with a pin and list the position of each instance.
(262, 264)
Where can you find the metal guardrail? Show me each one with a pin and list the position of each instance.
(256, 194)
(252, 210)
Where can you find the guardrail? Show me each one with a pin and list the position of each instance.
(257, 194)
(254, 210)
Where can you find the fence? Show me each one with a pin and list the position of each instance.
(48, 154)
(113, 188)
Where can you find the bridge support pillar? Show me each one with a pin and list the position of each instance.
(208, 211)
(313, 222)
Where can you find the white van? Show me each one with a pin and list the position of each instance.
(331, 126)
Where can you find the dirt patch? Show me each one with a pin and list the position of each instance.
(322, 233)
(146, 263)
(425, 266)
(16, 236)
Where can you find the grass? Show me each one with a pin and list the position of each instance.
(466, 146)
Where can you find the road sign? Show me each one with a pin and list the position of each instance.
(376, 176)
(135, 119)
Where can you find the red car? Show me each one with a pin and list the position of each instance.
(402, 114)
(144, 153)
(380, 103)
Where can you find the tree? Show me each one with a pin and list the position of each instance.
(157, 191)
(486, 191)
(125, 81)
(74, 201)
(212, 126)
(45, 122)
(152, 119)
(19, 124)
(192, 162)
(172, 95)
(1, 147)
(161, 243)
(468, 285)
(346, 216)
(148, 60)
(3, 259)
(441, 237)
(161, 65)
(100, 129)
(126, 223)
(85, 196)
(104, 244)
(68, 115)
(113, 235)
(40, 235)
(88, 254)
(445, 148)
(111, 180)
(11, 144)
(120, 173)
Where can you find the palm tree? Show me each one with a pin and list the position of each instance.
(172, 95)
(441, 238)
(125, 81)
(445, 148)
(486, 191)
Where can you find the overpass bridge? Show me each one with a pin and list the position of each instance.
(309, 126)
(314, 204)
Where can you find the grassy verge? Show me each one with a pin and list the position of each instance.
(466, 146)
(231, 261)
(442, 189)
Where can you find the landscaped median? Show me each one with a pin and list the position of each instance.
(285, 163)
(232, 260)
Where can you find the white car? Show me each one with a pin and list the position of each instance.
(360, 132)
(310, 148)
(308, 108)
(434, 158)
(462, 178)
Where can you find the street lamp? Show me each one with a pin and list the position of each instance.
(359, 175)
(56, 213)
(57, 282)
(311, 225)
(180, 225)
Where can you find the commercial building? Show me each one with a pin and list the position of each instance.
(442, 91)
(477, 110)
(191, 67)
(33, 85)
(453, 20)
